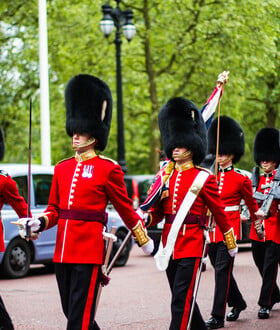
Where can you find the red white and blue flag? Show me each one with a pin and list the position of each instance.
(208, 110)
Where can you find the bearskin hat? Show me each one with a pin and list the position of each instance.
(181, 125)
(208, 161)
(231, 138)
(2, 144)
(88, 102)
(267, 145)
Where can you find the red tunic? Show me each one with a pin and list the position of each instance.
(271, 224)
(234, 186)
(9, 194)
(87, 184)
(189, 241)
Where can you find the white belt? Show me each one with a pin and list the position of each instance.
(232, 208)
(164, 253)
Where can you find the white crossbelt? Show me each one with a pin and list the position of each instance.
(164, 253)
(232, 208)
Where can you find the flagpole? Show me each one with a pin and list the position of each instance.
(44, 85)
(222, 79)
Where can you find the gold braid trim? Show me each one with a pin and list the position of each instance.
(140, 234)
(168, 170)
(230, 240)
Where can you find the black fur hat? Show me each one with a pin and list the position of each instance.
(2, 144)
(267, 145)
(181, 125)
(208, 161)
(231, 138)
(86, 111)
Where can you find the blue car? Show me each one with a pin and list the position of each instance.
(19, 255)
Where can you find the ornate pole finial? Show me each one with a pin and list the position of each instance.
(223, 78)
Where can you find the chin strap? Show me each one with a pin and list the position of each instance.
(185, 155)
(90, 141)
(225, 160)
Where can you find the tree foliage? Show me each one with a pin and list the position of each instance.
(179, 49)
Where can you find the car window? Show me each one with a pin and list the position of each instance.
(143, 187)
(21, 182)
(42, 187)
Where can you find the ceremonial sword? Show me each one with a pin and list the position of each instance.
(105, 264)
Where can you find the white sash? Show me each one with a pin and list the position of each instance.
(164, 253)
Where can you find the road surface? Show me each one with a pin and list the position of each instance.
(137, 297)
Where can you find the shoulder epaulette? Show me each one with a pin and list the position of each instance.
(237, 170)
(204, 169)
(109, 159)
(63, 160)
(4, 173)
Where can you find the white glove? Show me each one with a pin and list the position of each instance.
(260, 214)
(233, 252)
(148, 248)
(144, 216)
(243, 218)
(32, 223)
(140, 213)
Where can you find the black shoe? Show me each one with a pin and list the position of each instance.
(214, 323)
(263, 313)
(233, 315)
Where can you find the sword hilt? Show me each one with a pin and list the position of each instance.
(27, 230)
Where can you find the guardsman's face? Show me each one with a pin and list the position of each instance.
(79, 139)
(181, 155)
(268, 166)
(225, 160)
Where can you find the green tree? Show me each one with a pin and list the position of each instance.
(179, 49)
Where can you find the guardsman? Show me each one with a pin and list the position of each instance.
(233, 187)
(267, 157)
(187, 193)
(81, 189)
(8, 194)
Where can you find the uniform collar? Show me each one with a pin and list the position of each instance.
(85, 155)
(268, 175)
(227, 169)
(184, 167)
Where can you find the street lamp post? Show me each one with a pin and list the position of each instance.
(122, 21)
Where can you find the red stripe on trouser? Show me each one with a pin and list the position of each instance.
(189, 296)
(90, 298)
(228, 283)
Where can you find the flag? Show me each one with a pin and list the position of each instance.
(159, 188)
(154, 194)
(208, 110)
